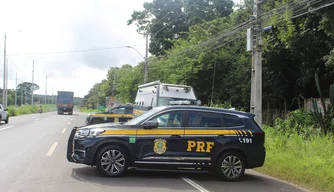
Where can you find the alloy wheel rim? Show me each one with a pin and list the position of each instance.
(112, 161)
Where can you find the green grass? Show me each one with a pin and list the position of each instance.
(28, 109)
(304, 161)
(85, 110)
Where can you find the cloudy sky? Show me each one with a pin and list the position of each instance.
(62, 35)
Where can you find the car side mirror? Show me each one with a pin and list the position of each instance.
(150, 125)
(5, 109)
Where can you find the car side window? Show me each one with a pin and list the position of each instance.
(128, 111)
(169, 119)
(204, 119)
(120, 110)
(232, 121)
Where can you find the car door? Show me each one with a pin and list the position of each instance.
(203, 134)
(115, 114)
(162, 145)
(127, 115)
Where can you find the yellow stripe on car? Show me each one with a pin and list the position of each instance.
(168, 132)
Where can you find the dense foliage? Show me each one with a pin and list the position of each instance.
(209, 51)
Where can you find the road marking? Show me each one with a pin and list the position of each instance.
(71, 119)
(37, 119)
(192, 183)
(69, 123)
(52, 148)
(1, 129)
(64, 130)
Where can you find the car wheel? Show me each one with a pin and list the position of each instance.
(112, 161)
(230, 166)
(7, 120)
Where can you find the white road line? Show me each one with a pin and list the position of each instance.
(192, 183)
(69, 123)
(64, 130)
(71, 119)
(52, 148)
(1, 129)
(37, 119)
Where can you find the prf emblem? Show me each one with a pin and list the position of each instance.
(160, 146)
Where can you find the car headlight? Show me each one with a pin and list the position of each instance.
(89, 132)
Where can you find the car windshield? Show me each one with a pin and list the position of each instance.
(142, 117)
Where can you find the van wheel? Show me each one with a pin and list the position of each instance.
(230, 166)
(112, 161)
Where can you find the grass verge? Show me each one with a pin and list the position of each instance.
(305, 161)
(85, 110)
(28, 109)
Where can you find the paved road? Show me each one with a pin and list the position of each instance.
(33, 158)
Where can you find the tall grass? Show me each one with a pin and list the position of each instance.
(298, 152)
(28, 109)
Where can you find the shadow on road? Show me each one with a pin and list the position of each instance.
(133, 179)
(171, 180)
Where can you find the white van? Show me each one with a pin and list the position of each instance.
(155, 94)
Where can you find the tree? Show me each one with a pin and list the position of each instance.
(165, 20)
(27, 88)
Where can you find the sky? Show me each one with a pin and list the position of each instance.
(60, 36)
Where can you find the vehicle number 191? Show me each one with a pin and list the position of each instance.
(245, 140)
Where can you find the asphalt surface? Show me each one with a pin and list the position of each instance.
(33, 159)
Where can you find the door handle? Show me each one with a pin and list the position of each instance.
(221, 136)
(176, 136)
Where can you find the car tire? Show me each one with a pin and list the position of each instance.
(7, 120)
(114, 158)
(230, 161)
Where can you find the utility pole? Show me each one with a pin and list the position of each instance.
(53, 87)
(6, 89)
(16, 90)
(32, 83)
(146, 61)
(21, 94)
(4, 73)
(46, 84)
(256, 79)
(113, 86)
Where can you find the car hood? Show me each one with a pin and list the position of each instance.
(91, 113)
(106, 126)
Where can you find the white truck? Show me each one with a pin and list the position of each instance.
(155, 94)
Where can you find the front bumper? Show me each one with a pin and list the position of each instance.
(80, 150)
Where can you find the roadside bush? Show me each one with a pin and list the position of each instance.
(298, 121)
(85, 110)
(28, 109)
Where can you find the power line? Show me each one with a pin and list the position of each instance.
(218, 44)
(244, 25)
(71, 51)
